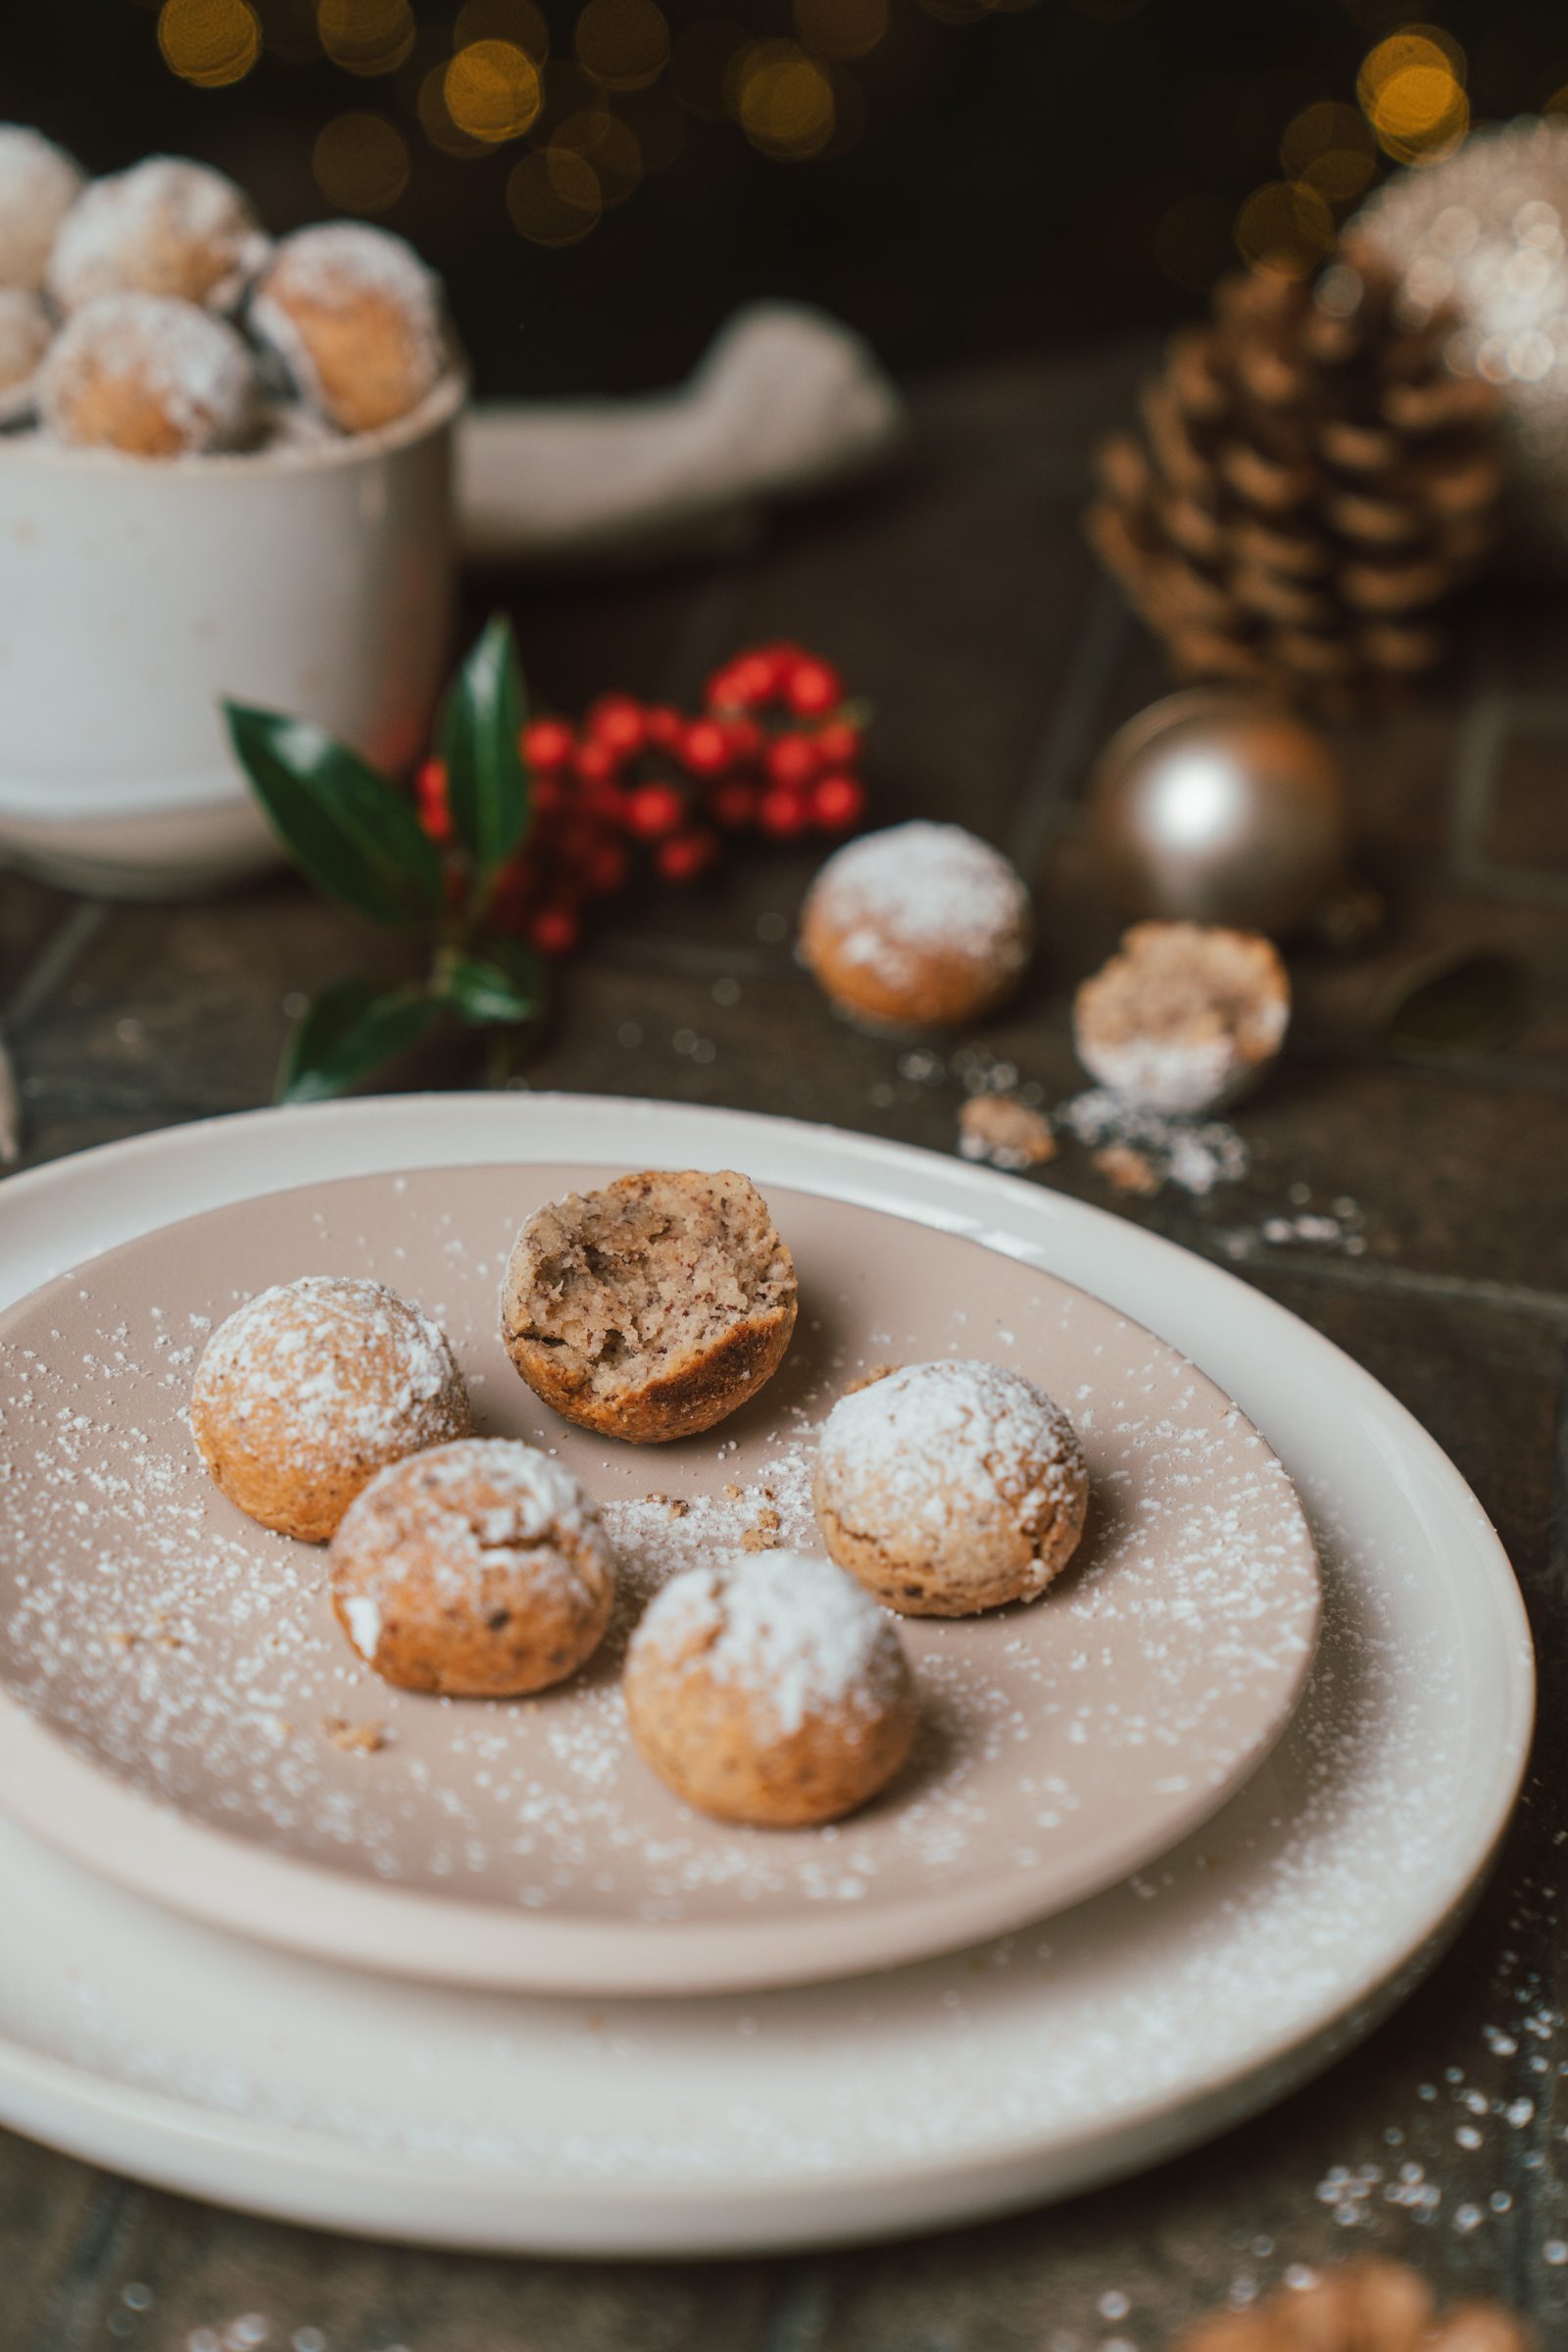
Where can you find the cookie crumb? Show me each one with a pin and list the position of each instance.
(676, 1510)
(1005, 1131)
(762, 1535)
(733, 1494)
(356, 1739)
(1127, 1170)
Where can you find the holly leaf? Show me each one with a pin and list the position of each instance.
(487, 784)
(491, 986)
(352, 833)
(347, 1032)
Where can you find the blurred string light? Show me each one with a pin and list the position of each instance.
(553, 196)
(1329, 148)
(783, 100)
(1411, 89)
(608, 146)
(1284, 229)
(361, 163)
(366, 36)
(209, 42)
(492, 91)
(624, 44)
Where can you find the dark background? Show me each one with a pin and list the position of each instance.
(1013, 176)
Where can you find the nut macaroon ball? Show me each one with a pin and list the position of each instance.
(26, 329)
(310, 1389)
(165, 226)
(951, 1488)
(1185, 1018)
(769, 1690)
(39, 182)
(478, 1570)
(652, 1308)
(152, 376)
(920, 926)
(356, 318)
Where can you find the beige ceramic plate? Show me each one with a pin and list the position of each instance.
(173, 1652)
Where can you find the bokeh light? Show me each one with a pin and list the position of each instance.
(783, 100)
(515, 20)
(361, 163)
(841, 30)
(366, 36)
(553, 196)
(492, 91)
(435, 119)
(1330, 148)
(209, 42)
(608, 146)
(1284, 229)
(624, 44)
(700, 67)
(1411, 89)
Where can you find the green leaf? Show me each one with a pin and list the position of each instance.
(487, 785)
(487, 987)
(352, 833)
(348, 1031)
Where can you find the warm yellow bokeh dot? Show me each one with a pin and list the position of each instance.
(1330, 148)
(366, 36)
(437, 124)
(841, 29)
(209, 42)
(608, 146)
(361, 163)
(624, 44)
(1411, 89)
(783, 100)
(700, 70)
(517, 21)
(553, 196)
(492, 91)
(1284, 229)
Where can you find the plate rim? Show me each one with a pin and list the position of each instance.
(1034, 2161)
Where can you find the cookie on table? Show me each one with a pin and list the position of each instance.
(652, 1308)
(311, 1388)
(1185, 1018)
(951, 1488)
(921, 926)
(478, 1570)
(769, 1690)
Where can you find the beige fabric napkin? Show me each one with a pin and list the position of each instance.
(785, 402)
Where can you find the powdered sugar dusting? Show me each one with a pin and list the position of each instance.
(39, 184)
(790, 1633)
(194, 367)
(896, 897)
(165, 226)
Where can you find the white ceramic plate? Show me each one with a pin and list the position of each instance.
(1126, 2028)
(171, 1676)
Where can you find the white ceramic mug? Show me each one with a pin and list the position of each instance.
(314, 577)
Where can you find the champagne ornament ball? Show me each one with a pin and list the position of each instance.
(1486, 232)
(1218, 806)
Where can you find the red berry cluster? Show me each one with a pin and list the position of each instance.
(775, 750)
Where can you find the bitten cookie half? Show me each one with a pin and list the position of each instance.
(769, 1690)
(652, 1309)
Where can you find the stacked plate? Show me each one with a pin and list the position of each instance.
(467, 1972)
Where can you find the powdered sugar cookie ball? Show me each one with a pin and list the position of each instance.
(39, 182)
(356, 318)
(654, 1307)
(24, 332)
(769, 1690)
(1184, 1018)
(951, 1488)
(165, 226)
(310, 1389)
(479, 1570)
(155, 377)
(920, 925)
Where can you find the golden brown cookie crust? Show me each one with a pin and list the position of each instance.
(309, 1390)
(922, 926)
(581, 1310)
(783, 1720)
(478, 1570)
